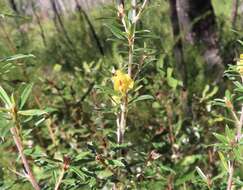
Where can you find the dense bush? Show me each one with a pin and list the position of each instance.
(99, 102)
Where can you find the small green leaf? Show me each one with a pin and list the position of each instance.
(104, 174)
(202, 175)
(32, 112)
(222, 158)
(172, 82)
(165, 168)
(241, 42)
(142, 97)
(79, 173)
(5, 98)
(115, 31)
(82, 155)
(221, 138)
(206, 89)
(25, 94)
(116, 163)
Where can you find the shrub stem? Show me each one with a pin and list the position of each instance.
(230, 178)
(59, 181)
(29, 175)
(17, 140)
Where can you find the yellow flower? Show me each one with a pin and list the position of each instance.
(122, 82)
(240, 65)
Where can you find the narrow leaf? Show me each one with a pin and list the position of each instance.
(32, 112)
(143, 97)
(16, 57)
(25, 94)
(4, 97)
(202, 175)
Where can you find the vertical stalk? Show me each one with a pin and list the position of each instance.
(130, 54)
(234, 13)
(131, 38)
(122, 117)
(15, 133)
(91, 26)
(42, 33)
(230, 178)
(239, 123)
(239, 126)
(59, 181)
(123, 121)
(18, 143)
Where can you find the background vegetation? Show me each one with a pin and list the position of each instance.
(57, 62)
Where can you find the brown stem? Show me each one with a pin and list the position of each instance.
(91, 26)
(234, 12)
(6, 35)
(19, 145)
(42, 33)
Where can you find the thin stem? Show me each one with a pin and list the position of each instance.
(17, 173)
(235, 116)
(239, 126)
(234, 12)
(135, 19)
(118, 129)
(121, 118)
(49, 123)
(239, 123)
(19, 145)
(123, 121)
(230, 178)
(59, 181)
(121, 14)
(130, 57)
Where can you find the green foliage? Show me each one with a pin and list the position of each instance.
(64, 99)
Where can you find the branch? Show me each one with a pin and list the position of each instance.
(234, 12)
(230, 178)
(140, 11)
(17, 173)
(60, 179)
(19, 145)
(121, 13)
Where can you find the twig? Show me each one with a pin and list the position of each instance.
(121, 118)
(239, 126)
(59, 181)
(135, 19)
(121, 13)
(19, 145)
(230, 178)
(123, 121)
(234, 13)
(238, 138)
(17, 173)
